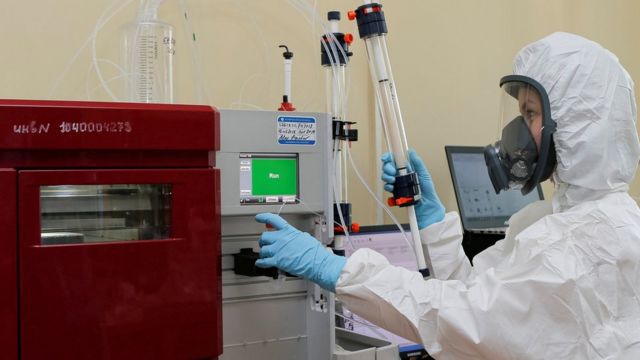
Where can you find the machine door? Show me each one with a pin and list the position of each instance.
(119, 264)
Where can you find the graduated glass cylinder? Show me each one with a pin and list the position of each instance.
(148, 50)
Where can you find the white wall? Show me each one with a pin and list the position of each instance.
(447, 57)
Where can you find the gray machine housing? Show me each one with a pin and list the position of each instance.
(265, 318)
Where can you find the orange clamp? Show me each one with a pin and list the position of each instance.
(351, 14)
(355, 228)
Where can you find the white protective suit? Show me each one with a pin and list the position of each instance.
(565, 282)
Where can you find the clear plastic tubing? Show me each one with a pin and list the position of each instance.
(149, 48)
(334, 60)
(288, 64)
(335, 80)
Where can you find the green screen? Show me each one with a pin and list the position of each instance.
(274, 177)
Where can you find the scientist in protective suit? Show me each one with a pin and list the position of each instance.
(565, 281)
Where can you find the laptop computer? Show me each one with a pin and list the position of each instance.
(389, 241)
(482, 211)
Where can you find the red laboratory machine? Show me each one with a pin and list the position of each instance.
(110, 224)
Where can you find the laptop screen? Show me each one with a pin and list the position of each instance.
(480, 207)
(388, 241)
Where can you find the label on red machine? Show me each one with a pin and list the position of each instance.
(101, 126)
(296, 130)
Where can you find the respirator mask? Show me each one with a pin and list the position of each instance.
(524, 154)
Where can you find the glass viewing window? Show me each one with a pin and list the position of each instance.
(72, 214)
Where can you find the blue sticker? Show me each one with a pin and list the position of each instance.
(296, 130)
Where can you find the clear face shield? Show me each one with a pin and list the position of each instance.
(520, 159)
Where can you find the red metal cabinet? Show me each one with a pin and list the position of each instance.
(134, 296)
(8, 266)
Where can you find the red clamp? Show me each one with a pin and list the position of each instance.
(355, 228)
(399, 201)
(348, 38)
(286, 106)
(351, 14)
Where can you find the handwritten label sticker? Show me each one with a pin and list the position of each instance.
(296, 130)
(67, 127)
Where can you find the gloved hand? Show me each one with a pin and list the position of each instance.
(429, 209)
(297, 253)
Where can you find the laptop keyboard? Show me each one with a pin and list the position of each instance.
(496, 230)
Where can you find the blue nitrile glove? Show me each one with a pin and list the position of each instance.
(297, 253)
(429, 209)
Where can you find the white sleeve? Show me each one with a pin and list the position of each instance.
(442, 242)
(498, 315)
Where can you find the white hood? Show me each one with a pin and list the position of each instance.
(593, 103)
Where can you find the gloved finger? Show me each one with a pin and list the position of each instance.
(389, 168)
(269, 237)
(388, 188)
(388, 165)
(266, 263)
(267, 251)
(386, 157)
(417, 164)
(272, 219)
(388, 179)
